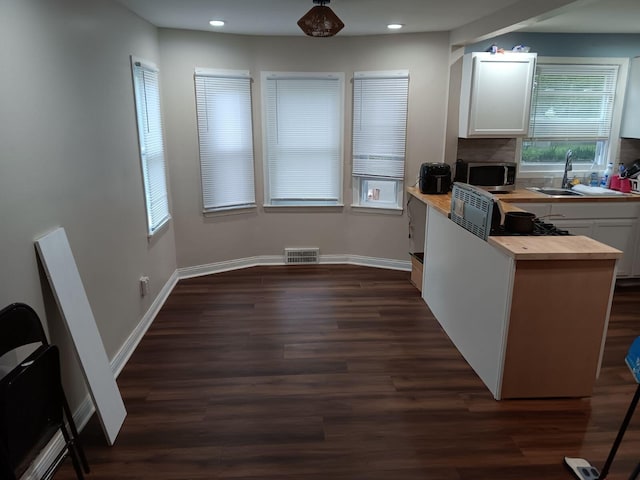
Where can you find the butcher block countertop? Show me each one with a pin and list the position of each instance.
(533, 247)
(554, 248)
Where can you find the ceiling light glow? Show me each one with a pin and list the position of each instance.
(216, 23)
(395, 26)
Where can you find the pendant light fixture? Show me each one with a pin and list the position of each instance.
(320, 21)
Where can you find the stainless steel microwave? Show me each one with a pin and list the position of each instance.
(491, 176)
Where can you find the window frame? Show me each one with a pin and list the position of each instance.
(556, 169)
(265, 77)
(360, 181)
(247, 167)
(153, 227)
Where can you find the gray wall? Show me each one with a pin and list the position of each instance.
(69, 157)
(202, 240)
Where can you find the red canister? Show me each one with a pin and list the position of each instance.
(615, 182)
(625, 185)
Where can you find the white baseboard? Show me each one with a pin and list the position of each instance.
(122, 357)
(228, 265)
(386, 263)
(265, 260)
(83, 413)
(48, 455)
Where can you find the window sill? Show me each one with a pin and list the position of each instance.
(378, 210)
(221, 212)
(298, 208)
(161, 228)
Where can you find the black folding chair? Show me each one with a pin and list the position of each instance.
(33, 406)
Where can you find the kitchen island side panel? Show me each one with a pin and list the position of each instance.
(467, 285)
(559, 316)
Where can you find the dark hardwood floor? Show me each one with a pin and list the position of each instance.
(340, 372)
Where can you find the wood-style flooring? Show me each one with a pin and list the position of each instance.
(340, 372)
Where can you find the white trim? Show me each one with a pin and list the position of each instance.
(235, 210)
(616, 120)
(266, 260)
(382, 210)
(270, 75)
(121, 358)
(265, 76)
(386, 263)
(228, 265)
(137, 61)
(215, 72)
(382, 74)
(607, 317)
(83, 413)
(505, 329)
(298, 206)
(47, 456)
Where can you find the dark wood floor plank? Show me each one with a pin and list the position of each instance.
(340, 372)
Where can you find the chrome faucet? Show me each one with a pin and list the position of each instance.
(567, 168)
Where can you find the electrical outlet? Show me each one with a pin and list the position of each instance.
(144, 286)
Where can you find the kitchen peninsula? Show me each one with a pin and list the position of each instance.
(529, 314)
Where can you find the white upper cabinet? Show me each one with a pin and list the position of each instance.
(631, 115)
(495, 97)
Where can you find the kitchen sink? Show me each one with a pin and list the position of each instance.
(557, 192)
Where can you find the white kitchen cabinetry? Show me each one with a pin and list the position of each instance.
(620, 234)
(576, 227)
(614, 224)
(631, 116)
(495, 96)
(542, 210)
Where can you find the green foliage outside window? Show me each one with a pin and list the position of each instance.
(555, 152)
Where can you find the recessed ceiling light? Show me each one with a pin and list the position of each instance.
(216, 23)
(395, 26)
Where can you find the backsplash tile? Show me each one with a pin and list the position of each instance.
(487, 149)
(629, 151)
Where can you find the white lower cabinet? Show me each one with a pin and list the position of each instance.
(576, 227)
(620, 234)
(612, 223)
(542, 210)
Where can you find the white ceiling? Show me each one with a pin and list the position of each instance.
(369, 17)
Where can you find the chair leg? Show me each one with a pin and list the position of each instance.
(74, 433)
(73, 452)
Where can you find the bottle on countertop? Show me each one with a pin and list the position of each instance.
(621, 169)
(605, 181)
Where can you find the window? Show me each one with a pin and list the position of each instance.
(577, 105)
(379, 138)
(223, 101)
(149, 117)
(303, 122)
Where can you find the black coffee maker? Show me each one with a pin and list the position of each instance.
(435, 178)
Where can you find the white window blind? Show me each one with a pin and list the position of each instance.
(380, 123)
(379, 138)
(303, 138)
(149, 117)
(573, 101)
(223, 101)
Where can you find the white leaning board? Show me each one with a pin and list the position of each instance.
(64, 278)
